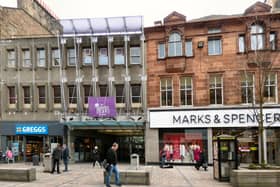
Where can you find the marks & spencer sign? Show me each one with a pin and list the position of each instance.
(213, 118)
(31, 129)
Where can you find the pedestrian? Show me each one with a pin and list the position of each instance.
(163, 154)
(112, 159)
(196, 153)
(96, 157)
(56, 157)
(65, 157)
(9, 155)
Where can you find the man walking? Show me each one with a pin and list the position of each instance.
(112, 159)
(65, 157)
(56, 156)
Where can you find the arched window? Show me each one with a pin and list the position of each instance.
(257, 37)
(175, 45)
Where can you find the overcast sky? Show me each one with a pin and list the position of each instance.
(152, 10)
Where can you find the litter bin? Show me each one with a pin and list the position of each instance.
(134, 161)
(35, 160)
(47, 162)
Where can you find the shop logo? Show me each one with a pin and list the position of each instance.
(32, 129)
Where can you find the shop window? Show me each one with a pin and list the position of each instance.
(87, 56)
(161, 51)
(270, 87)
(119, 55)
(26, 58)
(166, 92)
(247, 88)
(42, 94)
(135, 55)
(72, 94)
(181, 145)
(257, 37)
(103, 91)
(272, 40)
(41, 57)
(71, 57)
(55, 57)
(186, 90)
(11, 54)
(12, 96)
(103, 56)
(189, 48)
(174, 45)
(26, 95)
(214, 46)
(241, 43)
(216, 89)
(56, 94)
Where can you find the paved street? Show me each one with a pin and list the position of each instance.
(83, 175)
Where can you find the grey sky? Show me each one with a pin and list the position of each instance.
(152, 10)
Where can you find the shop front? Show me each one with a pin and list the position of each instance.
(29, 138)
(181, 131)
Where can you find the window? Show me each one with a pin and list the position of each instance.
(26, 58)
(103, 91)
(103, 56)
(166, 92)
(71, 56)
(56, 95)
(270, 87)
(247, 88)
(11, 58)
(241, 43)
(135, 55)
(120, 94)
(55, 57)
(26, 95)
(41, 57)
(119, 55)
(72, 94)
(189, 48)
(161, 50)
(186, 90)
(214, 46)
(272, 40)
(174, 45)
(257, 37)
(87, 56)
(87, 93)
(136, 93)
(12, 94)
(42, 94)
(216, 89)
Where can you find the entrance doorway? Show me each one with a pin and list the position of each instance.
(33, 146)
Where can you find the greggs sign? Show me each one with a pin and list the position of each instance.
(32, 129)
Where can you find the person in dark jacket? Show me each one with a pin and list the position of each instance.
(95, 157)
(56, 156)
(202, 161)
(65, 157)
(112, 159)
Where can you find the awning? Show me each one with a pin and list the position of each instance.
(106, 123)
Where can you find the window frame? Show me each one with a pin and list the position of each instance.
(273, 40)
(26, 94)
(137, 97)
(55, 57)
(134, 56)
(120, 97)
(247, 87)
(102, 88)
(87, 54)
(11, 62)
(119, 58)
(267, 86)
(41, 51)
(186, 90)
(161, 46)
(56, 97)
(241, 44)
(102, 56)
(212, 45)
(12, 95)
(216, 89)
(256, 34)
(87, 92)
(189, 53)
(71, 57)
(175, 46)
(166, 92)
(42, 94)
(26, 58)
(72, 97)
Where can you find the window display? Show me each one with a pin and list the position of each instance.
(181, 145)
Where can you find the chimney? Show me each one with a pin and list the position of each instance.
(275, 4)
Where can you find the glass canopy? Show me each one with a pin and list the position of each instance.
(102, 26)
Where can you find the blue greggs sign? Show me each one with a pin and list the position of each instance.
(32, 129)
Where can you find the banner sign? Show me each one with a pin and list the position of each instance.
(213, 118)
(102, 107)
(31, 129)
